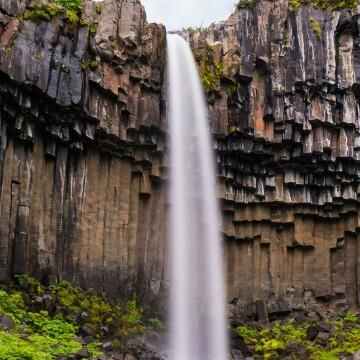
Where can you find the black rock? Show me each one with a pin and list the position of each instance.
(88, 331)
(325, 327)
(322, 338)
(6, 323)
(84, 339)
(84, 315)
(107, 346)
(295, 348)
(237, 355)
(83, 354)
(312, 332)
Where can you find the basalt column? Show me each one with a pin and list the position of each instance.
(283, 91)
(82, 140)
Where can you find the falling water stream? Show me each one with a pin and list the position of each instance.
(198, 325)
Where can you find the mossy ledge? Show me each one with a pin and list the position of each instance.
(332, 5)
(47, 10)
(46, 322)
(302, 338)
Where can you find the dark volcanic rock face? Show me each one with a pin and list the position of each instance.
(81, 147)
(83, 131)
(285, 114)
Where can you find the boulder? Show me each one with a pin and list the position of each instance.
(6, 323)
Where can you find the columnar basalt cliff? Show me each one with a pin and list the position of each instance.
(83, 131)
(81, 146)
(283, 90)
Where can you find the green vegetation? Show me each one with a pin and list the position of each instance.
(282, 338)
(92, 30)
(41, 12)
(73, 7)
(231, 89)
(211, 71)
(47, 321)
(332, 5)
(46, 11)
(192, 30)
(296, 4)
(246, 4)
(315, 27)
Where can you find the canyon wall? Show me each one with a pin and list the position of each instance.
(283, 91)
(83, 169)
(82, 147)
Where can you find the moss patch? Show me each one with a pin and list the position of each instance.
(280, 339)
(246, 4)
(46, 11)
(47, 321)
(315, 27)
(38, 12)
(332, 5)
(210, 70)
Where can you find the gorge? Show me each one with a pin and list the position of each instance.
(84, 170)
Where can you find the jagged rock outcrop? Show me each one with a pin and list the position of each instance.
(81, 147)
(285, 113)
(83, 130)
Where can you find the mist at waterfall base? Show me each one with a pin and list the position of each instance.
(197, 299)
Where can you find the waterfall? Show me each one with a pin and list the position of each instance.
(197, 301)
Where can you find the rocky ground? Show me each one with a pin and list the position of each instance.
(63, 322)
(314, 335)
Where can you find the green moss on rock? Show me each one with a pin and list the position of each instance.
(332, 5)
(280, 338)
(41, 12)
(245, 4)
(315, 27)
(47, 321)
(211, 71)
(46, 11)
